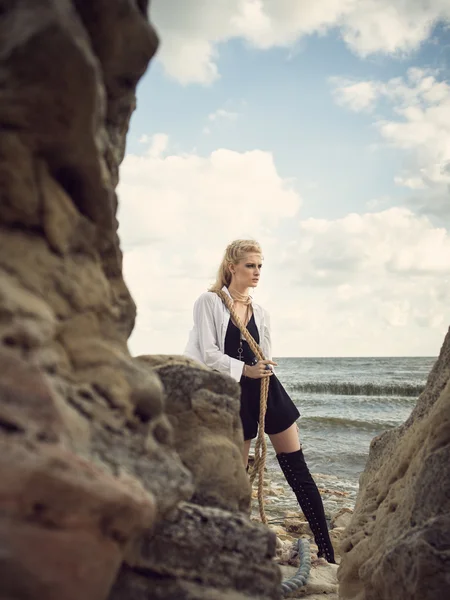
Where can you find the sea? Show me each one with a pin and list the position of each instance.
(344, 403)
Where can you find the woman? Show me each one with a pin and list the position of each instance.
(217, 342)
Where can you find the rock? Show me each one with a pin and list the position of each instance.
(322, 582)
(278, 530)
(86, 449)
(297, 526)
(397, 544)
(203, 409)
(227, 553)
(134, 585)
(316, 596)
(65, 523)
(274, 490)
(337, 535)
(293, 514)
(342, 518)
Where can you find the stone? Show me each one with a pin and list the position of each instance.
(135, 586)
(203, 409)
(322, 582)
(278, 530)
(337, 535)
(226, 552)
(87, 457)
(297, 526)
(65, 524)
(397, 544)
(342, 518)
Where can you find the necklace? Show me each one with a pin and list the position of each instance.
(239, 297)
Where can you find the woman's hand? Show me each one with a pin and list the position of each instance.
(260, 370)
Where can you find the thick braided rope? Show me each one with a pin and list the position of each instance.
(260, 445)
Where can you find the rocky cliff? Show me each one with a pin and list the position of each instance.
(398, 542)
(92, 486)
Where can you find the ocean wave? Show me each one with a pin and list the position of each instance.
(348, 388)
(374, 425)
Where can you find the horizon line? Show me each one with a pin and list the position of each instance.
(366, 356)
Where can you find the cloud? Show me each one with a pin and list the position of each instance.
(158, 146)
(177, 213)
(191, 35)
(220, 116)
(362, 285)
(356, 96)
(391, 241)
(375, 283)
(230, 192)
(420, 127)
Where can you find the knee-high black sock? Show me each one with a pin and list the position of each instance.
(299, 478)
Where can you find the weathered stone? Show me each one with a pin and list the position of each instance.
(342, 518)
(397, 544)
(203, 408)
(337, 535)
(297, 526)
(322, 583)
(86, 458)
(134, 585)
(65, 524)
(196, 544)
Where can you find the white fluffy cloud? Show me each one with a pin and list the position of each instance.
(192, 30)
(365, 284)
(177, 213)
(358, 96)
(421, 127)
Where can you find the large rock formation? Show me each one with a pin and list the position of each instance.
(201, 552)
(88, 464)
(85, 464)
(202, 407)
(398, 542)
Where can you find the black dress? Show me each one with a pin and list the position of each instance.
(281, 411)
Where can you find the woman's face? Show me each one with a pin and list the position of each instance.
(247, 272)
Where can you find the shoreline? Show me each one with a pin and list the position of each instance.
(290, 524)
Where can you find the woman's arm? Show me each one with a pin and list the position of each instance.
(207, 339)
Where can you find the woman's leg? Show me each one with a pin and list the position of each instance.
(287, 440)
(245, 451)
(292, 462)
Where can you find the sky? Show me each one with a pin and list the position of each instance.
(321, 129)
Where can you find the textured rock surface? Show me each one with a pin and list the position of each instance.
(342, 518)
(398, 542)
(203, 553)
(203, 409)
(86, 462)
(322, 582)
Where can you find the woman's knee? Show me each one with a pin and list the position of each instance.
(287, 440)
(245, 451)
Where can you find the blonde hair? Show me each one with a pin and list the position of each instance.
(234, 253)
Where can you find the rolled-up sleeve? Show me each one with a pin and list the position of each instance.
(207, 339)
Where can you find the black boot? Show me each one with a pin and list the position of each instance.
(299, 478)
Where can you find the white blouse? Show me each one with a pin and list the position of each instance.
(206, 342)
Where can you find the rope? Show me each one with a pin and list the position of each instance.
(302, 575)
(260, 445)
